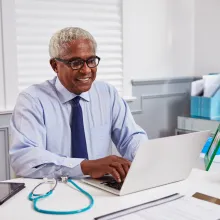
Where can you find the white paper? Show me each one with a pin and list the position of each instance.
(197, 87)
(186, 208)
(211, 84)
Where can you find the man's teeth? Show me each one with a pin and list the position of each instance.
(84, 79)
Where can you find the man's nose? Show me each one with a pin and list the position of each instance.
(85, 69)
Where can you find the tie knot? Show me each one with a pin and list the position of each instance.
(76, 100)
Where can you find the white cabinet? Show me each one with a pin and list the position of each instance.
(5, 169)
(4, 160)
(187, 124)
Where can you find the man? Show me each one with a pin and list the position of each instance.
(64, 126)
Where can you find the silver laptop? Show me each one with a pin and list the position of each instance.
(157, 162)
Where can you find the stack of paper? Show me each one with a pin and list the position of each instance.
(207, 86)
(186, 208)
(173, 207)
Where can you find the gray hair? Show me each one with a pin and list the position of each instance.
(67, 35)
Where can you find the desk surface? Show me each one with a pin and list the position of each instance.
(67, 198)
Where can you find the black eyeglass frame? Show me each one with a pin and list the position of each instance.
(68, 62)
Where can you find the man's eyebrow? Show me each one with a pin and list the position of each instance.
(79, 58)
(74, 58)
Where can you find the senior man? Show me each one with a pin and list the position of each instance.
(66, 126)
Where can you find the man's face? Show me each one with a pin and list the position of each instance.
(80, 80)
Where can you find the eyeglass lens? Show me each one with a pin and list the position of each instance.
(91, 62)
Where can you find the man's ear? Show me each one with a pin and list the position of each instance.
(53, 64)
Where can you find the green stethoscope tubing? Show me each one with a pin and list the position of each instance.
(36, 197)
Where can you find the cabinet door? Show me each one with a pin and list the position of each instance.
(4, 161)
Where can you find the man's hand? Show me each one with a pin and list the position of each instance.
(116, 166)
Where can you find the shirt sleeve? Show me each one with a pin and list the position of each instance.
(28, 153)
(126, 134)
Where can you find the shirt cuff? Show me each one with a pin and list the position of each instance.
(72, 167)
(71, 162)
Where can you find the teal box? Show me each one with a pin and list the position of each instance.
(204, 107)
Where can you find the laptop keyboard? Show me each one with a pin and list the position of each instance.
(113, 184)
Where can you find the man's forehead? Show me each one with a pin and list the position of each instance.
(77, 47)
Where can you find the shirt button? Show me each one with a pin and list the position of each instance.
(71, 165)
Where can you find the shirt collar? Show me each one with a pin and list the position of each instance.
(65, 95)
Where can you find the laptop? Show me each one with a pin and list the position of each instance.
(157, 162)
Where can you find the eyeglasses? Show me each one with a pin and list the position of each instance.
(79, 63)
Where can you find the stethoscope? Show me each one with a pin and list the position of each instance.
(36, 197)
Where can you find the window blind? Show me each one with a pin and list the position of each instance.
(37, 20)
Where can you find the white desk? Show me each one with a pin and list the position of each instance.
(64, 197)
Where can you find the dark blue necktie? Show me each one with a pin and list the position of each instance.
(79, 149)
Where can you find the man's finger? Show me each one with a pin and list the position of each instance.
(115, 174)
(124, 161)
(126, 168)
(119, 169)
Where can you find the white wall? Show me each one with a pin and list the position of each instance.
(158, 38)
(182, 31)
(2, 88)
(8, 57)
(207, 36)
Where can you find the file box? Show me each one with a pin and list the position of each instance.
(205, 107)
